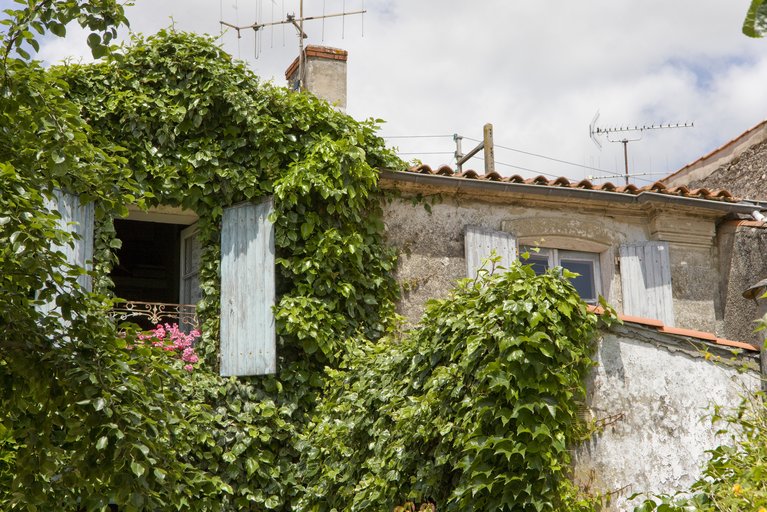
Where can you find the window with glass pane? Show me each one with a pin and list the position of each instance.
(585, 264)
(539, 259)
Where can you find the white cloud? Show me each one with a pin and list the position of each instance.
(537, 70)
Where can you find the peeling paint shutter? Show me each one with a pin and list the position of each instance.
(646, 281)
(480, 242)
(77, 219)
(248, 344)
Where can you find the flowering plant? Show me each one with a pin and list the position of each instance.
(172, 339)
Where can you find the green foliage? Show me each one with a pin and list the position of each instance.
(755, 24)
(474, 410)
(34, 18)
(175, 121)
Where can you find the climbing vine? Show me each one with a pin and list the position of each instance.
(472, 410)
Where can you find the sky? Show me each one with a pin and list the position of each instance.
(539, 71)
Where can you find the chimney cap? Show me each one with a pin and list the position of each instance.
(317, 52)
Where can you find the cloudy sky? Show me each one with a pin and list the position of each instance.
(537, 70)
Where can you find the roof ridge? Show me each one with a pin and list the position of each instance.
(658, 187)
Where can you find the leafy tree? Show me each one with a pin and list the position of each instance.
(755, 24)
(80, 417)
(474, 410)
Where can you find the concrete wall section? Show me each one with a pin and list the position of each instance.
(653, 394)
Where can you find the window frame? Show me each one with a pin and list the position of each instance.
(555, 256)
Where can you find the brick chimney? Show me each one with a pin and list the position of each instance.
(324, 74)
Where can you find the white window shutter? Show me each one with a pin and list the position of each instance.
(479, 243)
(78, 219)
(646, 281)
(248, 338)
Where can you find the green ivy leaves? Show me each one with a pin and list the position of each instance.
(474, 409)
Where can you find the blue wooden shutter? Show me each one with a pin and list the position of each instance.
(248, 340)
(78, 219)
(646, 281)
(480, 242)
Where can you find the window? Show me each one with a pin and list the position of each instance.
(157, 272)
(586, 264)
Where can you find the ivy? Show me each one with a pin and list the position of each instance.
(473, 410)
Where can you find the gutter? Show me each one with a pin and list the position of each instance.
(472, 185)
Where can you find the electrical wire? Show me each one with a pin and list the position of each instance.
(425, 153)
(415, 136)
(436, 136)
(543, 156)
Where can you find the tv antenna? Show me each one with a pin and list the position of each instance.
(626, 134)
(298, 23)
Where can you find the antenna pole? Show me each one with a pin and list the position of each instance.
(458, 152)
(626, 158)
(595, 131)
(299, 24)
(301, 54)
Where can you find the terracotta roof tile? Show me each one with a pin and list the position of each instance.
(736, 344)
(678, 331)
(657, 187)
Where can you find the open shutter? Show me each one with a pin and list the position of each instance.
(480, 242)
(77, 219)
(190, 266)
(646, 281)
(248, 344)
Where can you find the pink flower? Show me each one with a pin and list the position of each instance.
(172, 339)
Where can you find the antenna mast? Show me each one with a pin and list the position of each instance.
(637, 130)
(298, 23)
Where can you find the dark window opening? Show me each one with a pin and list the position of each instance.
(148, 267)
(148, 261)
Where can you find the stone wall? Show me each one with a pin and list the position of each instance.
(745, 244)
(431, 246)
(744, 176)
(653, 394)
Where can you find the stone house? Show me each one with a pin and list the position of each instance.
(652, 252)
(661, 255)
(740, 165)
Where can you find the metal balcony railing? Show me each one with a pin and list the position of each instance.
(185, 315)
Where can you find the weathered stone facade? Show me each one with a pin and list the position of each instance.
(653, 389)
(740, 166)
(431, 243)
(652, 396)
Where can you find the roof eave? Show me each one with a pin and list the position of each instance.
(474, 185)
